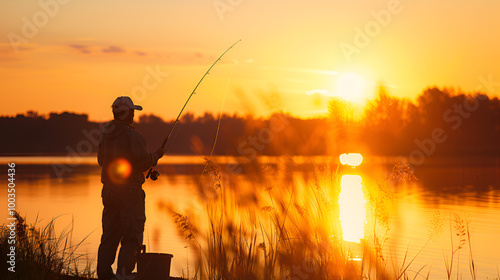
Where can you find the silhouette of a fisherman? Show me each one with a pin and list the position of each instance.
(124, 157)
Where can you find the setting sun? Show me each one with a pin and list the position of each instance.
(351, 87)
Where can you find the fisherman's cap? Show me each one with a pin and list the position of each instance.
(124, 103)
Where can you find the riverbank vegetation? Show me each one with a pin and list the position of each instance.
(40, 253)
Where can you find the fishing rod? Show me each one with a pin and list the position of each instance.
(153, 173)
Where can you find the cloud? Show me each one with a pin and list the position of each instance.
(8, 48)
(82, 48)
(113, 49)
(86, 49)
(319, 91)
(175, 56)
(78, 46)
(315, 71)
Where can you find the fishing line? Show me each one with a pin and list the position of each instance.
(219, 122)
(220, 113)
(174, 135)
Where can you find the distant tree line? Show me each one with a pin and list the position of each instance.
(438, 122)
(62, 133)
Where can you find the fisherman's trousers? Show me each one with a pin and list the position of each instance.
(123, 221)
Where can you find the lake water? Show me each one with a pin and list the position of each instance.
(422, 220)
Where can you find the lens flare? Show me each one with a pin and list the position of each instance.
(351, 159)
(352, 208)
(119, 170)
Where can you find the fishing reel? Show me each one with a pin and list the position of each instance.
(153, 174)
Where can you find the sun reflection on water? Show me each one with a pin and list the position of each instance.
(352, 201)
(352, 208)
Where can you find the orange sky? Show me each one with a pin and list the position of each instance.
(80, 55)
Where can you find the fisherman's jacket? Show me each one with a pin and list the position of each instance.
(123, 155)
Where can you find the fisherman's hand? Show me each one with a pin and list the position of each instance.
(160, 152)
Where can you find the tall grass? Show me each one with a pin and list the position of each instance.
(42, 254)
(460, 237)
(267, 223)
(275, 222)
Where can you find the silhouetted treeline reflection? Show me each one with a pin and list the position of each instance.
(438, 122)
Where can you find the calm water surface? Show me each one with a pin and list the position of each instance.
(422, 220)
